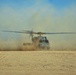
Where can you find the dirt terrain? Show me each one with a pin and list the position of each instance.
(37, 63)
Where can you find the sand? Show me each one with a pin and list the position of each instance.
(37, 63)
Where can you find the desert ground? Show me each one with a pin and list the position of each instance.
(37, 63)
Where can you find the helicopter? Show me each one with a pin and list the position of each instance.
(40, 41)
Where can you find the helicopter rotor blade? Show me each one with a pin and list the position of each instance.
(25, 32)
(14, 31)
(39, 33)
(56, 33)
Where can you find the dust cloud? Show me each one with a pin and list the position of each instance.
(45, 18)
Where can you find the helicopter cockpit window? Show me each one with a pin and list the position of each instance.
(46, 41)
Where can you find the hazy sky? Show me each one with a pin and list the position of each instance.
(39, 15)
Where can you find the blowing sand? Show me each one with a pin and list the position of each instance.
(37, 63)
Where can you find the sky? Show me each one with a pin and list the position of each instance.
(39, 15)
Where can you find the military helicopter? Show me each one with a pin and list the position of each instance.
(39, 42)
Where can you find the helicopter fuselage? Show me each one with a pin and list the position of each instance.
(41, 42)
